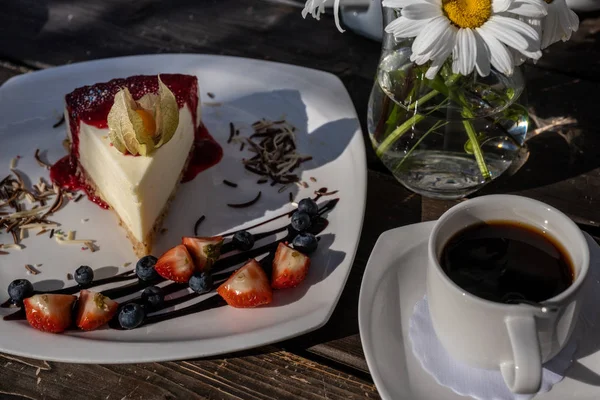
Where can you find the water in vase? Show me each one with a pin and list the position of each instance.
(420, 133)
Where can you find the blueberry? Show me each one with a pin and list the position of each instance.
(243, 240)
(153, 298)
(201, 282)
(84, 275)
(308, 206)
(131, 315)
(305, 242)
(300, 221)
(19, 290)
(145, 268)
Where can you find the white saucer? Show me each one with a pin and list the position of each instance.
(394, 281)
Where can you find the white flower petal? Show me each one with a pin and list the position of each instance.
(405, 28)
(550, 28)
(434, 69)
(499, 6)
(336, 15)
(465, 52)
(529, 8)
(430, 34)
(574, 20)
(445, 43)
(508, 24)
(506, 36)
(568, 20)
(421, 11)
(500, 57)
(438, 63)
(314, 7)
(482, 61)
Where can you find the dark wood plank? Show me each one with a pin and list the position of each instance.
(268, 374)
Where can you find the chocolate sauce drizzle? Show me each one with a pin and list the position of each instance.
(219, 273)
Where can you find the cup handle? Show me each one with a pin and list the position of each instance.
(524, 374)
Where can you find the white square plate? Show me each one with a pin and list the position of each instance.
(315, 102)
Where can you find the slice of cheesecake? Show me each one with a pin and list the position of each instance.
(140, 187)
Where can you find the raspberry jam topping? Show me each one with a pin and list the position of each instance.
(91, 105)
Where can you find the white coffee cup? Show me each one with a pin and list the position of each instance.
(515, 338)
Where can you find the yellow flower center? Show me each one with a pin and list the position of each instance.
(468, 13)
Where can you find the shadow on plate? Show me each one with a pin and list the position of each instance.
(207, 195)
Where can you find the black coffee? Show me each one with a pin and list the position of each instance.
(507, 262)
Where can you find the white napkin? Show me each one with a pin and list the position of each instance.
(468, 381)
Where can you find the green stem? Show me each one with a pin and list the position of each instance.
(485, 172)
(423, 99)
(402, 129)
(399, 131)
(467, 113)
(437, 125)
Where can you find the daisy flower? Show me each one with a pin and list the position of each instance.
(317, 7)
(560, 23)
(476, 34)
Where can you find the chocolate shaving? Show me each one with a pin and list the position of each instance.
(291, 197)
(41, 232)
(242, 146)
(320, 192)
(3, 253)
(60, 122)
(230, 184)
(312, 178)
(197, 224)
(39, 160)
(256, 171)
(78, 198)
(31, 270)
(57, 203)
(231, 132)
(15, 237)
(304, 185)
(247, 204)
(51, 233)
(211, 95)
(276, 155)
(282, 189)
(262, 180)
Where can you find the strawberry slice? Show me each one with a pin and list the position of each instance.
(289, 267)
(49, 312)
(94, 310)
(176, 265)
(247, 287)
(204, 250)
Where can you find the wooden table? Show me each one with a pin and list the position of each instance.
(563, 170)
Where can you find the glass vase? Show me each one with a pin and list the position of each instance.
(446, 137)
